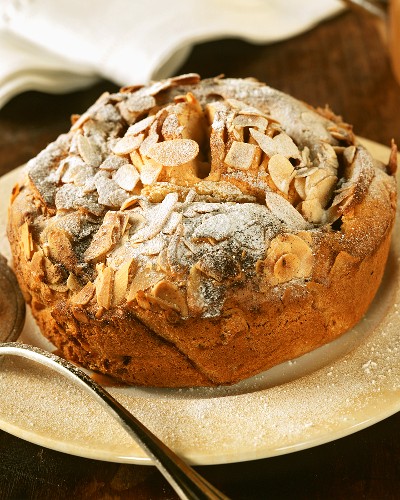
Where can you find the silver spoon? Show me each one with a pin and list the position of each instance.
(187, 483)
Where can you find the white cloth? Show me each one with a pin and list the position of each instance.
(61, 45)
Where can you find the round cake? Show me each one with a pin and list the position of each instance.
(197, 232)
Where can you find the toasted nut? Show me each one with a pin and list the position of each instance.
(73, 283)
(104, 286)
(121, 279)
(323, 190)
(143, 280)
(88, 151)
(84, 296)
(288, 257)
(53, 273)
(26, 240)
(127, 144)
(175, 152)
(312, 210)
(281, 172)
(126, 177)
(241, 155)
(171, 295)
(286, 267)
(80, 315)
(150, 172)
(60, 248)
(110, 232)
(194, 299)
(285, 212)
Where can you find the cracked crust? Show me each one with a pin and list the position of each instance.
(195, 233)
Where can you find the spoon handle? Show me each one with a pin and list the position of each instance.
(187, 483)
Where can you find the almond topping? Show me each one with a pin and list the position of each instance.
(284, 211)
(26, 240)
(281, 172)
(140, 126)
(61, 249)
(241, 155)
(109, 233)
(194, 299)
(126, 177)
(170, 293)
(150, 172)
(104, 286)
(288, 257)
(323, 190)
(127, 144)
(84, 296)
(143, 280)
(121, 280)
(286, 267)
(88, 151)
(175, 152)
(73, 283)
(312, 210)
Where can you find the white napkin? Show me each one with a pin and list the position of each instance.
(61, 45)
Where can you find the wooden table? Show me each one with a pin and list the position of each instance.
(342, 62)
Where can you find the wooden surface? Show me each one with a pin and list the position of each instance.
(343, 63)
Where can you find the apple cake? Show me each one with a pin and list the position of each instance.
(197, 232)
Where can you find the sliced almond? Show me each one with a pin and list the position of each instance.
(140, 126)
(349, 154)
(314, 178)
(284, 211)
(88, 151)
(37, 265)
(255, 121)
(312, 210)
(126, 177)
(195, 300)
(130, 202)
(171, 128)
(323, 190)
(60, 248)
(84, 296)
(160, 216)
(288, 257)
(73, 283)
(328, 158)
(26, 240)
(127, 144)
(241, 155)
(171, 294)
(104, 287)
(281, 172)
(280, 144)
(144, 279)
(80, 315)
(286, 267)
(138, 102)
(150, 141)
(175, 152)
(121, 279)
(150, 172)
(300, 187)
(109, 233)
(53, 273)
(58, 287)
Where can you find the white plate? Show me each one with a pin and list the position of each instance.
(332, 392)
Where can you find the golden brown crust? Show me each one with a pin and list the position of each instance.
(174, 269)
